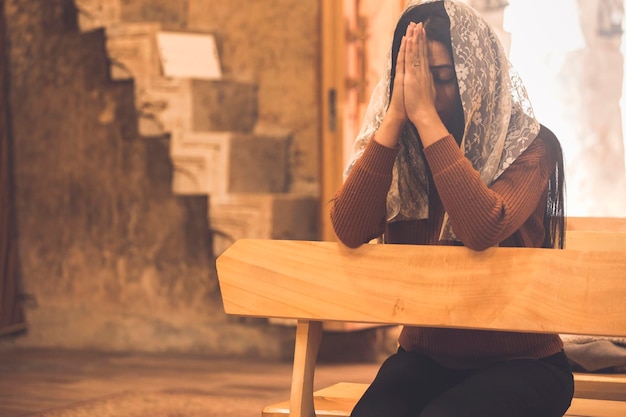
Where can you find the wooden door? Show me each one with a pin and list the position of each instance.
(356, 35)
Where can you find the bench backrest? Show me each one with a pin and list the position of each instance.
(575, 291)
(596, 233)
(597, 224)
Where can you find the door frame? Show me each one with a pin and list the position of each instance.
(333, 93)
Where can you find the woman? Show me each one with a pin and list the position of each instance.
(451, 153)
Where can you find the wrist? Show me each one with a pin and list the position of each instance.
(430, 128)
(395, 119)
(424, 117)
(390, 129)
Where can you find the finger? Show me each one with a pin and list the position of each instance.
(414, 47)
(409, 29)
(408, 35)
(408, 52)
(418, 45)
(423, 45)
(400, 61)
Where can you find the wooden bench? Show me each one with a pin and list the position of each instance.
(579, 290)
(598, 233)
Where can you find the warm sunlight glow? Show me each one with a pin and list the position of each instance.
(574, 78)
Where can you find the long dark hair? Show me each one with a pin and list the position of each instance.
(554, 216)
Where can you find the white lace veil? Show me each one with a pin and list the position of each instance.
(499, 120)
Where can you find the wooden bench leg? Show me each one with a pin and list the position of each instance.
(308, 339)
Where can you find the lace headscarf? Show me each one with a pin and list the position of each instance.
(499, 120)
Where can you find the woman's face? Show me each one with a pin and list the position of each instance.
(448, 101)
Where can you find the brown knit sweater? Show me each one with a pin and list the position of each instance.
(507, 213)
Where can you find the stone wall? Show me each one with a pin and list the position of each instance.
(275, 44)
(110, 258)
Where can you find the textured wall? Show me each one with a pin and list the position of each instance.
(110, 258)
(171, 14)
(274, 43)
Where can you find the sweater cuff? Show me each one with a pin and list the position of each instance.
(378, 159)
(443, 154)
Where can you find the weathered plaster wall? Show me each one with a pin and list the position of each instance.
(274, 43)
(110, 258)
(271, 43)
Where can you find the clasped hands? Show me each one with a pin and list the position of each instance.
(414, 91)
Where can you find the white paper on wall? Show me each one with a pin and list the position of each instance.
(189, 55)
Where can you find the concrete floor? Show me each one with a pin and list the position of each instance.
(42, 382)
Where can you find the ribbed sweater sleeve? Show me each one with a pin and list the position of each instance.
(482, 216)
(359, 210)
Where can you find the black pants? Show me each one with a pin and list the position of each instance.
(413, 385)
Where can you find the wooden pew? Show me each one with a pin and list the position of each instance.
(574, 291)
(596, 233)
(607, 234)
(596, 224)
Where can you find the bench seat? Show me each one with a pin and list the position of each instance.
(601, 386)
(339, 399)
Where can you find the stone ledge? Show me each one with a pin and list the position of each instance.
(262, 216)
(219, 163)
